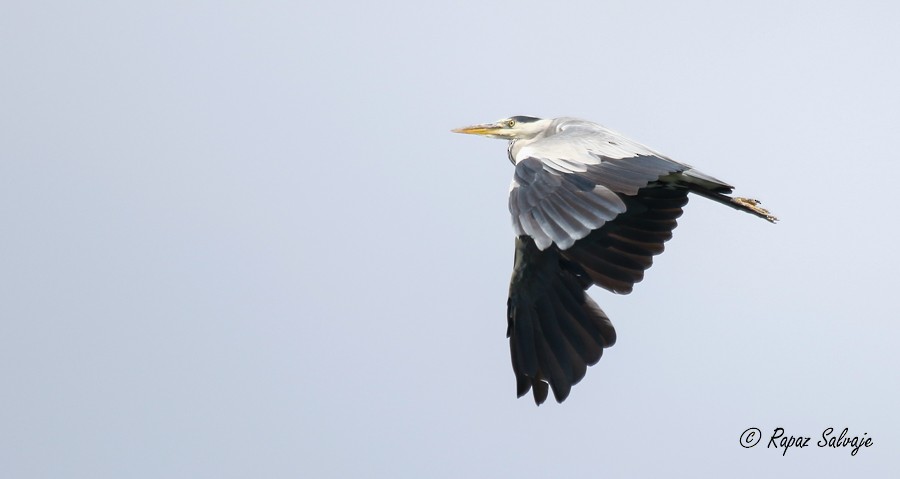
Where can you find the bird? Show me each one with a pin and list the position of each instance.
(589, 207)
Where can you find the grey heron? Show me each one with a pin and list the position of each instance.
(589, 207)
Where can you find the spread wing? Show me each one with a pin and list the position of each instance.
(555, 329)
(587, 210)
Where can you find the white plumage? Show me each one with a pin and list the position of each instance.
(589, 207)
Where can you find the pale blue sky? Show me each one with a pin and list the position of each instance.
(239, 239)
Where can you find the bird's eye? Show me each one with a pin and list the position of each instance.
(510, 123)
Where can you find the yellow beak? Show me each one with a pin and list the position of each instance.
(483, 129)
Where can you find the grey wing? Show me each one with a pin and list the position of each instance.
(555, 330)
(553, 207)
(609, 205)
(569, 184)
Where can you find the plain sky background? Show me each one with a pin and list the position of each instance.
(239, 240)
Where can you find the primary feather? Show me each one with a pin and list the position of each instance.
(589, 207)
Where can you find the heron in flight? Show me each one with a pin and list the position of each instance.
(589, 207)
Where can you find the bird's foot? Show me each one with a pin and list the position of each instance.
(752, 206)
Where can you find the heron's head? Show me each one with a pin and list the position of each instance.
(512, 128)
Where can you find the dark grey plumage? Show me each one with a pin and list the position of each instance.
(589, 207)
